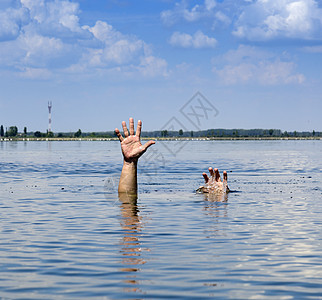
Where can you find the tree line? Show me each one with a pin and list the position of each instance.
(231, 133)
(12, 131)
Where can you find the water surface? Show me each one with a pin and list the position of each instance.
(64, 234)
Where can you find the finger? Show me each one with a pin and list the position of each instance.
(217, 175)
(205, 176)
(131, 126)
(138, 129)
(225, 176)
(119, 135)
(126, 132)
(211, 171)
(147, 145)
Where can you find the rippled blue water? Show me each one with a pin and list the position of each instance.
(64, 234)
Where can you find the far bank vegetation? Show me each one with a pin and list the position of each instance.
(13, 132)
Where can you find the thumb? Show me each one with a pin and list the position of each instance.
(147, 145)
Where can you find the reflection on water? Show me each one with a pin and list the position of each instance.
(131, 250)
(216, 197)
(215, 208)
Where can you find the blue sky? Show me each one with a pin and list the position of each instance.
(258, 62)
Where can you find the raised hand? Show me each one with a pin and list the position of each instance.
(213, 184)
(131, 145)
(132, 149)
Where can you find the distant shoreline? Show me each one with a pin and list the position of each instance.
(162, 139)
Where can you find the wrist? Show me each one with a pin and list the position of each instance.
(130, 162)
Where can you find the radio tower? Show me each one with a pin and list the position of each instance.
(49, 116)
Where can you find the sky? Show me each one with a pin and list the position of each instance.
(182, 64)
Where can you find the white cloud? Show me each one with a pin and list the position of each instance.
(11, 21)
(251, 65)
(210, 4)
(36, 9)
(66, 13)
(153, 66)
(221, 17)
(181, 39)
(122, 51)
(198, 40)
(266, 19)
(39, 34)
(104, 32)
(245, 54)
(37, 47)
(117, 48)
(313, 49)
(181, 11)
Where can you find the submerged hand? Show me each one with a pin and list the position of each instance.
(213, 184)
(131, 145)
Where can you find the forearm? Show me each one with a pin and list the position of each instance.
(128, 180)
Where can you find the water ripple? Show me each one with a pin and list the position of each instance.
(65, 234)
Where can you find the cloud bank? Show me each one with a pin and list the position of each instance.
(37, 36)
(181, 11)
(248, 65)
(266, 20)
(253, 20)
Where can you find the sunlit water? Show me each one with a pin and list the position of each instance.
(64, 234)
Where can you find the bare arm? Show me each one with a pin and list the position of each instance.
(132, 149)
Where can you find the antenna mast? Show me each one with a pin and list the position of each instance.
(49, 116)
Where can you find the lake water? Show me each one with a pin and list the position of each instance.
(64, 234)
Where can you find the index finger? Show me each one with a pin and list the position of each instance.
(119, 135)
(138, 129)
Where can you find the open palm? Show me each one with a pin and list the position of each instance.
(131, 145)
(131, 148)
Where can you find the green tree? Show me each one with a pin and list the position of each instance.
(180, 132)
(313, 133)
(271, 132)
(164, 133)
(78, 133)
(13, 131)
(37, 134)
(1, 130)
(25, 131)
(191, 133)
